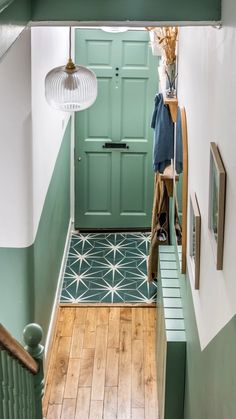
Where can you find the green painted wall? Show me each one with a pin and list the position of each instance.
(16, 289)
(211, 373)
(28, 276)
(50, 239)
(122, 10)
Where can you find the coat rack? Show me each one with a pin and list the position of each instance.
(168, 175)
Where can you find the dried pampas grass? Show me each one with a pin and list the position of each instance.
(166, 37)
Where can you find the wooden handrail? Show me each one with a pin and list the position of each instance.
(17, 351)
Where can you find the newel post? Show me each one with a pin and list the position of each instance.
(32, 335)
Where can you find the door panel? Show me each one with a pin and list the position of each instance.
(99, 53)
(113, 187)
(98, 188)
(99, 116)
(134, 119)
(133, 171)
(134, 54)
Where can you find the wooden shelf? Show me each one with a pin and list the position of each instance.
(173, 105)
(168, 177)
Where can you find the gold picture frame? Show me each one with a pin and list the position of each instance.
(216, 209)
(184, 188)
(195, 239)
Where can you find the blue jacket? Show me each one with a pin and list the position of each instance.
(163, 144)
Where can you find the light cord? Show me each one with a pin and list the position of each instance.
(70, 65)
(70, 43)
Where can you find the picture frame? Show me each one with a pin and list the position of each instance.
(216, 209)
(195, 239)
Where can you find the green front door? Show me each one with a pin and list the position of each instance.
(113, 150)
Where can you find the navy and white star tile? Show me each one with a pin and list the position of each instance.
(108, 268)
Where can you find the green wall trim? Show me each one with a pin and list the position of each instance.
(28, 276)
(123, 10)
(13, 20)
(211, 373)
(4, 4)
(17, 13)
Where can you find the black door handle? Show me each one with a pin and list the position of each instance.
(115, 145)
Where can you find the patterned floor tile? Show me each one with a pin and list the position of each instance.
(108, 267)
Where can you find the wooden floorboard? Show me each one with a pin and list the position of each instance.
(102, 364)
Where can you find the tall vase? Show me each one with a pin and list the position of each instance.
(170, 80)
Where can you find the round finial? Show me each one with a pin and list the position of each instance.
(32, 334)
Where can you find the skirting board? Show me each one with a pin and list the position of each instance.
(53, 319)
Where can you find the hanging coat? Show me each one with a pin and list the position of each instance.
(163, 144)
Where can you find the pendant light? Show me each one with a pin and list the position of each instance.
(72, 87)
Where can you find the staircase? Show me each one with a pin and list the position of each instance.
(21, 374)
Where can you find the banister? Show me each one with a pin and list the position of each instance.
(17, 351)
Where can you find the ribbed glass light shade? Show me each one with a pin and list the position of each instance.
(71, 88)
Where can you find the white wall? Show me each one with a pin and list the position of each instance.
(207, 88)
(31, 132)
(16, 145)
(8, 34)
(49, 50)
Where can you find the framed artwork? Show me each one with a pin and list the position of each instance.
(216, 210)
(195, 239)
